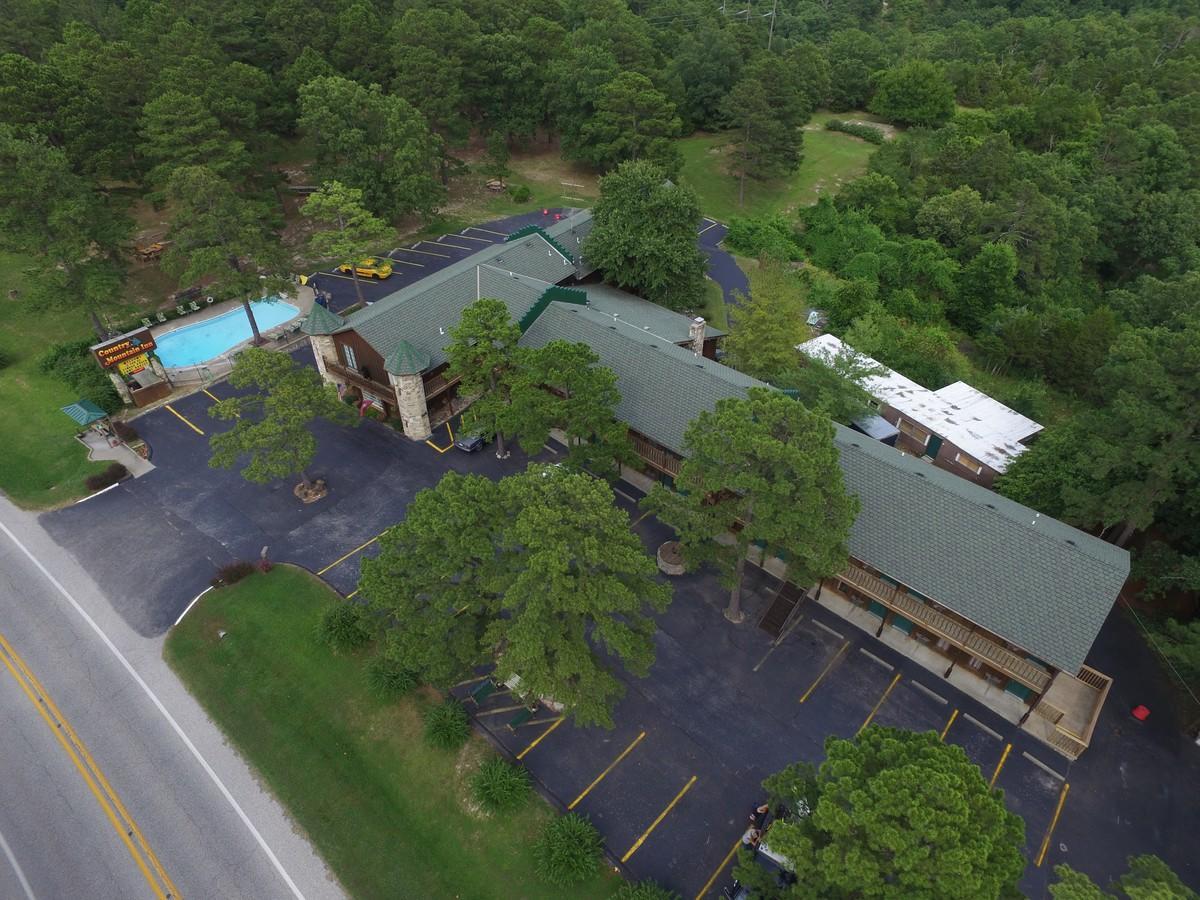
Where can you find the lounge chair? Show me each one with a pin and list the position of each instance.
(146, 322)
(179, 309)
(194, 306)
(162, 317)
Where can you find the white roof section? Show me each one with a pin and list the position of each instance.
(981, 425)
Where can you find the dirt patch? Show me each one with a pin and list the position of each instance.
(469, 759)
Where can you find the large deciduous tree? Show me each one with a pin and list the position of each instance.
(644, 236)
(351, 231)
(762, 472)
(1148, 878)
(539, 571)
(483, 353)
(375, 142)
(915, 93)
(899, 814)
(633, 120)
(273, 424)
(219, 235)
(766, 327)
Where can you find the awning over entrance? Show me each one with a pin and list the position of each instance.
(85, 412)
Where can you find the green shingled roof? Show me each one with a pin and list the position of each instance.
(642, 314)
(321, 321)
(405, 359)
(1035, 581)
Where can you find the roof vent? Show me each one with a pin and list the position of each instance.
(990, 505)
(1072, 543)
(920, 474)
(855, 445)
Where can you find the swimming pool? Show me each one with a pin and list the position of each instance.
(205, 340)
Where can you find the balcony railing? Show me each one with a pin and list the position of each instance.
(436, 384)
(360, 380)
(961, 635)
(661, 459)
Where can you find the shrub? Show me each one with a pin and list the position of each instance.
(72, 363)
(5, 359)
(125, 431)
(344, 627)
(868, 133)
(762, 236)
(110, 476)
(232, 573)
(520, 193)
(500, 786)
(388, 678)
(568, 851)
(644, 890)
(446, 725)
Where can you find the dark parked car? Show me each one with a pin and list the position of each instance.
(469, 442)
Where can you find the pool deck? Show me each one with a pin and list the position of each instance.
(303, 301)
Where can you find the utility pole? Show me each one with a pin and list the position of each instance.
(771, 33)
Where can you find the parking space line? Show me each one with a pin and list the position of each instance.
(182, 418)
(1000, 765)
(871, 656)
(612, 765)
(352, 594)
(836, 634)
(541, 737)
(1062, 798)
(336, 275)
(475, 680)
(467, 237)
(974, 721)
(825, 671)
(1045, 768)
(450, 432)
(413, 249)
(662, 815)
(342, 559)
(211, 394)
(721, 868)
(442, 240)
(879, 704)
(485, 231)
(931, 694)
(498, 710)
(949, 722)
(709, 228)
(405, 262)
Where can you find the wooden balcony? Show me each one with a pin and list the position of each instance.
(958, 633)
(437, 384)
(654, 455)
(383, 391)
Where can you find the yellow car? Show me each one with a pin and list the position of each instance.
(371, 267)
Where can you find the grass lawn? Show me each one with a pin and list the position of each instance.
(831, 158)
(391, 816)
(714, 306)
(42, 464)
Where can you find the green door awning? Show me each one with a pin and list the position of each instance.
(84, 412)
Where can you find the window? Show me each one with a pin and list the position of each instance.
(914, 431)
(348, 356)
(873, 403)
(967, 463)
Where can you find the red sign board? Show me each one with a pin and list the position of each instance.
(124, 347)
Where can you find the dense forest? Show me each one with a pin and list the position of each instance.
(1038, 214)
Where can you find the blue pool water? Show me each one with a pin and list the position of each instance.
(205, 340)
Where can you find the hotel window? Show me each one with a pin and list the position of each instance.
(967, 463)
(348, 356)
(873, 403)
(915, 432)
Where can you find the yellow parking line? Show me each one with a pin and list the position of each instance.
(1062, 798)
(825, 671)
(541, 737)
(953, 716)
(1000, 765)
(612, 765)
(413, 249)
(879, 704)
(182, 418)
(351, 595)
(345, 557)
(449, 431)
(721, 868)
(662, 815)
(211, 394)
(118, 816)
(467, 237)
(485, 231)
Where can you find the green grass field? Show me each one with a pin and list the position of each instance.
(391, 816)
(41, 463)
(830, 159)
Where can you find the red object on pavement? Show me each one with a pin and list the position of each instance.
(557, 216)
(1140, 712)
(545, 212)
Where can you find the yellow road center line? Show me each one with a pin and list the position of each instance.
(342, 559)
(467, 237)
(879, 704)
(825, 671)
(211, 394)
(123, 824)
(485, 230)
(1062, 798)
(1000, 765)
(182, 419)
(541, 737)
(413, 249)
(612, 765)
(721, 868)
(953, 716)
(662, 815)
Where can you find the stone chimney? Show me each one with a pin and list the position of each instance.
(696, 335)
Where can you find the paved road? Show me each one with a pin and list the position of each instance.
(721, 265)
(63, 832)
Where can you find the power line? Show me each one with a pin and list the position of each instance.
(1165, 658)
